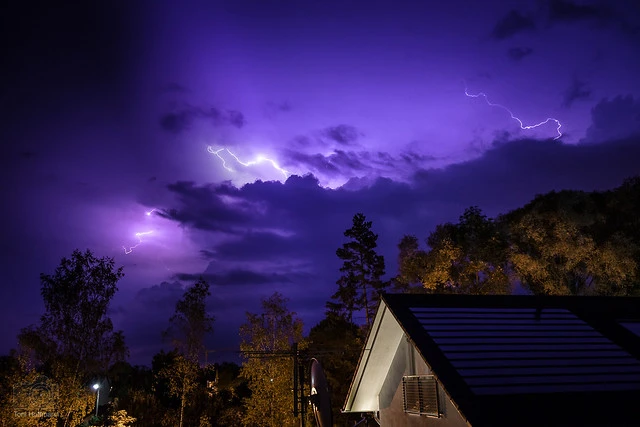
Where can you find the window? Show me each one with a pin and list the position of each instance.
(420, 395)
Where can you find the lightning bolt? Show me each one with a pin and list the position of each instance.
(513, 116)
(139, 236)
(258, 160)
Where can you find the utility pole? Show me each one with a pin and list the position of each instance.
(294, 351)
(298, 385)
(302, 399)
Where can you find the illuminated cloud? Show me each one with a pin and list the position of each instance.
(614, 119)
(577, 91)
(342, 134)
(237, 163)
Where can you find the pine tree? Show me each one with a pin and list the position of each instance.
(362, 268)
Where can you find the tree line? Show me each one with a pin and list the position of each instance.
(561, 243)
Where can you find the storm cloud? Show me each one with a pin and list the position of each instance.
(182, 120)
(512, 23)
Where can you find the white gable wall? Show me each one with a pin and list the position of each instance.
(407, 361)
(377, 384)
(374, 363)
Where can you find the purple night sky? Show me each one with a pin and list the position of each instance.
(111, 111)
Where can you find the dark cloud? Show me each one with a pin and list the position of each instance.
(342, 134)
(207, 254)
(505, 177)
(173, 87)
(256, 246)
(177, 122)
(204, 208)
(237, 277)
(517, 53)
(418, 159)
(284, 106)
(165, 295)
(567, 11)
(319, 163)
(301, 141)
(512, 23)
(273, 109)
(236, 118)
(182, 120)
(510, 174)
(614, 119)
(350, 160)
(350, 163)
(289, 245)
(578, 90)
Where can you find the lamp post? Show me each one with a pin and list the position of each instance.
(96, 387)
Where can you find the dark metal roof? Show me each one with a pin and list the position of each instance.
(528, 360)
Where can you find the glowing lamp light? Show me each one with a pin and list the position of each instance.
(96, 387)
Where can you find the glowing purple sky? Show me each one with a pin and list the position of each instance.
(109, 112)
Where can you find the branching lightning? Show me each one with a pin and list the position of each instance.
(513, 116)
(139, 236)
(258, 160)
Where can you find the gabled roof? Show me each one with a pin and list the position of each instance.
(514, 360)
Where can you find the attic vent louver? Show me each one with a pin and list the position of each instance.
(420, 395)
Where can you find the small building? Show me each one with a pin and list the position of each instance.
(504, 360)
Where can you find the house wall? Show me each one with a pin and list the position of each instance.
(407, 361)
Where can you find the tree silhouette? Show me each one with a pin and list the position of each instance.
(362, 269)
(75, 340)
(266, 342)
(189, 325)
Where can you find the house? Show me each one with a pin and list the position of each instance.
(503, 360)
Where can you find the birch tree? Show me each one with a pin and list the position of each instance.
(266, 342)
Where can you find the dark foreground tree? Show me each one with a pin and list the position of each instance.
(75, 341)
(412, 266)
(337, 344)
(574, 243)
(469, 257)
(266, 338)
(362, 271)
(133, 391)
(189, 325)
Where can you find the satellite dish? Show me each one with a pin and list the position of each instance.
(320, 399)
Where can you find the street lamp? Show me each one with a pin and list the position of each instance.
(96, 387)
